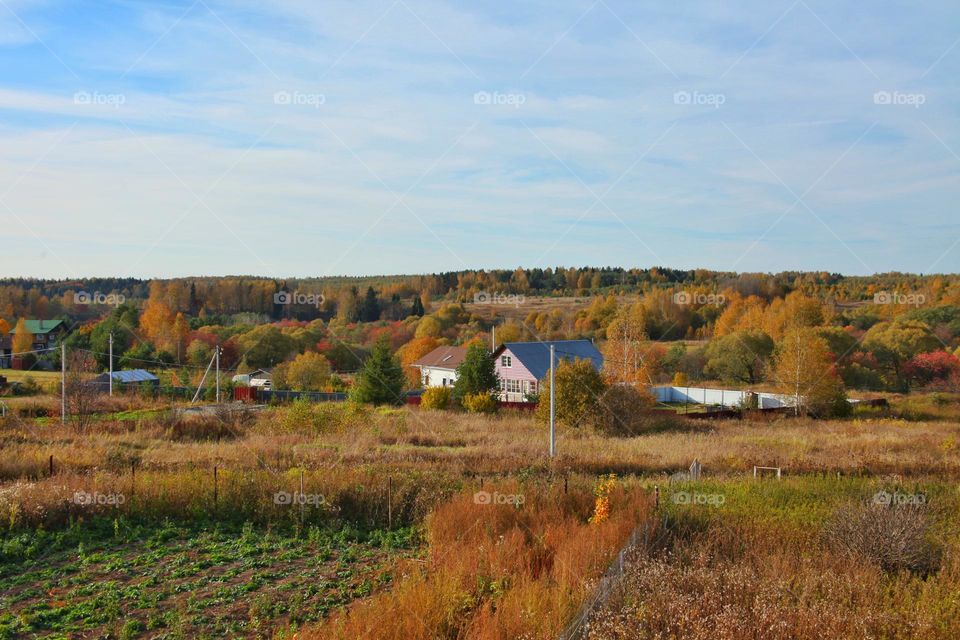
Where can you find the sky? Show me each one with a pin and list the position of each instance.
(298, 138)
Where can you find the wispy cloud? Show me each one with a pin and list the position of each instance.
(197, 82)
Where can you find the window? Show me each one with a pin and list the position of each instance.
(513, 386)
(506, 361)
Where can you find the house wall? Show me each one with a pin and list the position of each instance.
(523, 381)
(435, 376)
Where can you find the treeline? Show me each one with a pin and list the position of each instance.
(396, 296)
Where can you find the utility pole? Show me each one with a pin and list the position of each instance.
(63, 383)
(553, 409)
(493, 338)
(218, 373)
(111, 364)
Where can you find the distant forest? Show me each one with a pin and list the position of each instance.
(343, 296)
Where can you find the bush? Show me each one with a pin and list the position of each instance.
(436, 398)
(621, 411)
(892, 537)
(479, 403)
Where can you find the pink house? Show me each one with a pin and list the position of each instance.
(522, 366)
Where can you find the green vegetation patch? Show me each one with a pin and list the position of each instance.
(187, 582)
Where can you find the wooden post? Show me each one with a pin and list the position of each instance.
(695, 469)
(389, 502)
(656, 497)
(565, 484)
(214, 486)
(302, 499)
(51, 465)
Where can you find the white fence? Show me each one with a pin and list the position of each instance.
(721, 397)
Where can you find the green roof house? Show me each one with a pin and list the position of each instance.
(46, 333)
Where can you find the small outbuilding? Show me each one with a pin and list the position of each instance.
(126, 379)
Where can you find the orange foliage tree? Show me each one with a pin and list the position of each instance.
(156, 323)
(413, 351)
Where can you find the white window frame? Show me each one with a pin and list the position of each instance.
(506, 361)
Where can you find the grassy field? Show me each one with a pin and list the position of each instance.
(399, 546)
(48, 381)
(803, 558)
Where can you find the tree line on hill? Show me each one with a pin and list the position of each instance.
(902, 332)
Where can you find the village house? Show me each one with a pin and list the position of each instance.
(46, 333)
(439, 367)
(522, 366)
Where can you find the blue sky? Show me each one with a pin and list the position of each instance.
(304, 138)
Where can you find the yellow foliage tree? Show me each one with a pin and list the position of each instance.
(156, 323)
(309, 371)
(805, 369)
(796, 310)
(624, 352)
(22, 339)
(428, 327)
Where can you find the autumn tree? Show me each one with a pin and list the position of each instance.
(739, 357)
(895, 343)
(265, 346)
(939, 369)
(805, 369)
(4, 327)
(199, 353)
(428, 327)
(796, 309)
(309, 371)
(579, 387)
(623, 352)
(622, 410)
(22, 339)
(156, 324)
(413, 351)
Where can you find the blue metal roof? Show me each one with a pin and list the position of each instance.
(134, 375)
(535, 356)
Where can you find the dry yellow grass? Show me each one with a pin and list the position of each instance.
(470, 444)
(499, 571)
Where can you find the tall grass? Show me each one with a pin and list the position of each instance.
(766, 564)
(360, 497)
(408, 439)
(499, 571)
